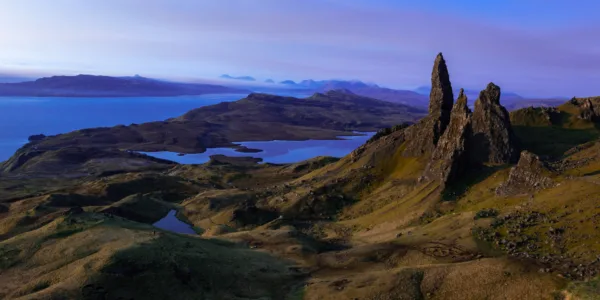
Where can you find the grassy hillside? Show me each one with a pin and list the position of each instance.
(361, 227)
(548, 131)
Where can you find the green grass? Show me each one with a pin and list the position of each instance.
(552, 140)
(8, 256)
(586, 290)
(179, 267)
(64, 233)
(460, 187)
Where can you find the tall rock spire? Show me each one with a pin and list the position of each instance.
(440, 97)
(451, 157)
(423, 137)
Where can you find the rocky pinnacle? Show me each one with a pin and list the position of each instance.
(440, 97)
(423, 136)
(450, 158)
(493, 141)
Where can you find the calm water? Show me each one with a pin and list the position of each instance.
(21, 117)
(277, 151)
(171, 223)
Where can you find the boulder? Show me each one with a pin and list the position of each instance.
(530, 174)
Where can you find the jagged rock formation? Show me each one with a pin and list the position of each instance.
(450, 131)
(456, 138)
(493, 139)
(423, 137)
(529, 174)
(450, 157)
(589, 108)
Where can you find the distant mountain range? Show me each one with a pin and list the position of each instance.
(288, 82)
(357, 87)
(418, 97)
(131, 86)
(245, 78)
(106, 86)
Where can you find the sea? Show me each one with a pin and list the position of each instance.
(21, 117)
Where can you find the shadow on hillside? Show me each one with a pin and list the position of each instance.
(552, 141)
(592, 173)
(180, 267)
(460, 187)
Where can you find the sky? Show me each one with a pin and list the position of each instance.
(534, 47)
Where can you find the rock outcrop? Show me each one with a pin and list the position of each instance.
(423, 137)
(456, 139)
(528, 175)
(535, 116)
(450, 158)
(493, 139)
(589, 108)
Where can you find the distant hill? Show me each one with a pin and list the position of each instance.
(269, 81)
(289, 82)
(259, 117)
(374, 91)
(363, 89)
(245, 78)
(106, 86)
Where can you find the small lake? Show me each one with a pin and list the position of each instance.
(171, 223)
(277, 152)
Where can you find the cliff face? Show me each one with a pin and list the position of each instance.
(423, 137)
(440, 97)
(450, 157)
(493, 139)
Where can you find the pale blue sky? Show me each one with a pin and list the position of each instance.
(541, 48)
